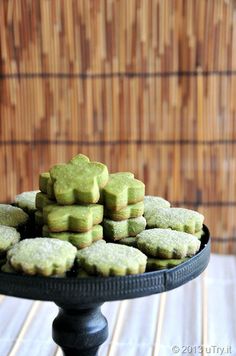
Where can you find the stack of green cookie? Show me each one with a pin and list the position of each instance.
(67, 202)
(122, 198)
(80, 203)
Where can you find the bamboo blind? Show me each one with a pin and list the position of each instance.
(147, 86)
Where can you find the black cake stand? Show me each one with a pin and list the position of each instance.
(80, 328)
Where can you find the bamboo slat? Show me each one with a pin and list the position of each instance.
(142, 85)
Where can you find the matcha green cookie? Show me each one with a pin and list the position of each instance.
(80, 240)
(130, 211)
(46, 185)
(128, 241)
(43, 200)
(72, 218)
(108, 259)
(151, 203)
(42, 256)
(38, 218)
(45, 181)
(176, 219)
(12, 216)
(8, 237)
(121, 190)
(7, 268)
(26, 200)
(199, 234)
(117, 230)
(154, 264)
(80, 182)
(167, 243)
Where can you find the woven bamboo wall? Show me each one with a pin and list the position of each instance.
(143, 85)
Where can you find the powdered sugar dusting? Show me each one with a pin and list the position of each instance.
(168, 243)
(175, 218)
(41, 253)
(12, 216)
(111, 258)
(8, 237)
(27, 199)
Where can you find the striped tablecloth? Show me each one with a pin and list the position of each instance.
(202, 312)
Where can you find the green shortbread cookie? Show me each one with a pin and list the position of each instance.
(151, 203)
(117, 230)
(7, 268)
(130, 211)
(46, 185)
(12, 216)
(108, 259)
(199, 234)
(8, 237)
(121, 190)
(38, 218)
(26, 200)
(80, 182)
(45, 182)
(167, 243)
(154, 264)
(79, 239)
(179, 219)
(128, 241)
(42, 256)
(77, 218)
(43, 200)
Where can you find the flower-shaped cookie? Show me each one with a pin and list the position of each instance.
(72, 218)
(108, 259)
(121, 190)
(78, 181)
(43, 256)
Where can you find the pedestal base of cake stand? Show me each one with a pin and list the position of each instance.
(80, 329)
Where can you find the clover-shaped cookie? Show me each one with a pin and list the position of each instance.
(43, 200)
(128, 241)
(94, 173)
(116, 230)
(154, 264)
(179, 219)
(78, 239)
(72, 218)
(8, 237)
(46, 185)
(130, 211)
(109, 259)
(122, 189)
(42, 256)
(12, 216)
(78, 182)
(26, 201)
(167, 243)
(152, 203)
(45, 181)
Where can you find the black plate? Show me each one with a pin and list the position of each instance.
(101, 289)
